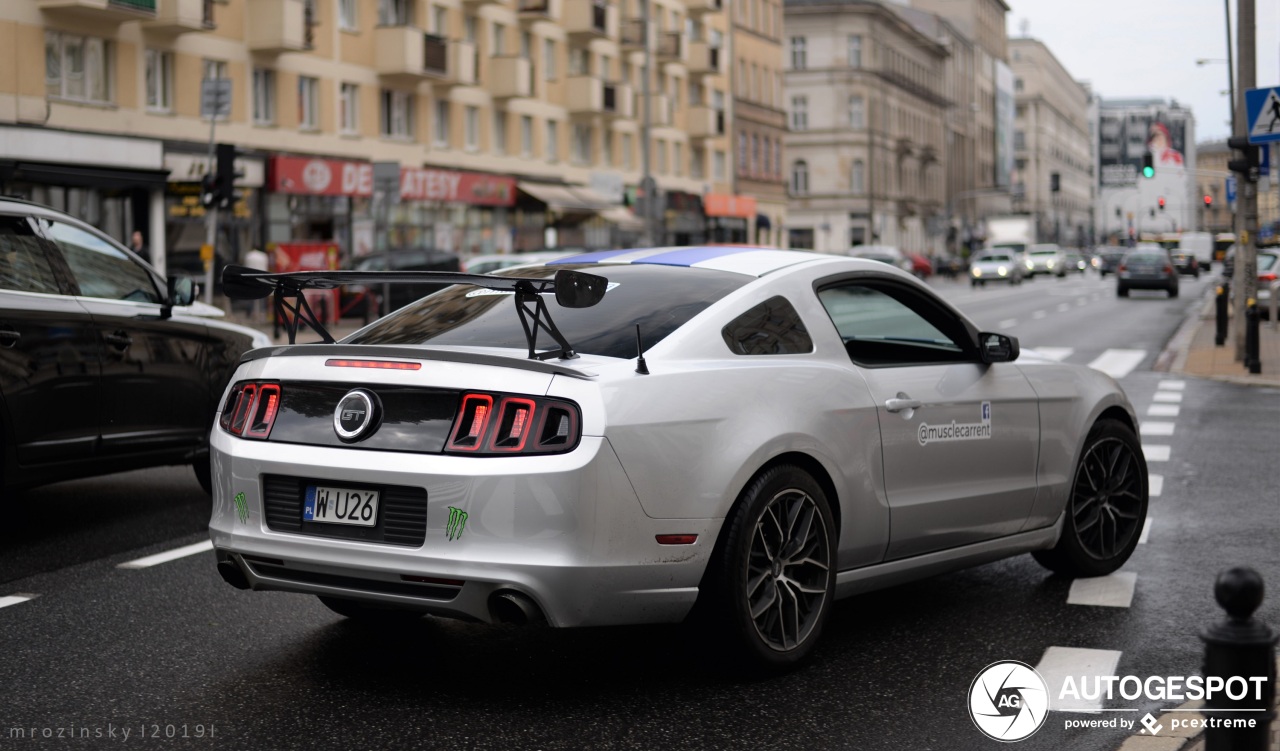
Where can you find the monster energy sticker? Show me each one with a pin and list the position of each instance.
(242, 507)
(457, 521)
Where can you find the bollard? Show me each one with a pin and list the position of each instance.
(1252, 320)
(1275, 300)
(1224, 294)
(1244, 647)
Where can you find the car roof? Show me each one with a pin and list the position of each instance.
(748, 260)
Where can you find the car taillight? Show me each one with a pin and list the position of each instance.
(1271, 277)
(1123, 267)
(497, 425)
(1168, 269)
(251, 410)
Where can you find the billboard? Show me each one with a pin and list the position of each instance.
(1124, 136)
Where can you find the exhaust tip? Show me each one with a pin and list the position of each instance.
(231, 574)
(515, 608)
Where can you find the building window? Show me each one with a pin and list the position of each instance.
(718, 166)
(799, 113)
(471, 127)
(440, 20)
(606, 146)
(526, 135)
(349, 110)
(1017, 84)
(777, 159)
(498, 44)
(857, 179)
(800, 178)
(697, 168)
(581, 143)
(395, 12)
(579, 61)
(755, 154)
(549, 59)
(77, 67)
(159, 80)
(441, 136)
(397, 114)
(857, 112)
(767, 160)
(308, 103)
(347, 15)
(264, 96)
(499, 140)
(742, 153)
(1019, 140)
(661, 158)
(799, 53)
(553, 141)
(677, 157)
(855, 50)
(628, 152)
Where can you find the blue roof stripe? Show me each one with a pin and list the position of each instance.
(596, 257)
(691, 256)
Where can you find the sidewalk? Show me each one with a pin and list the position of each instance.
(1192, 352)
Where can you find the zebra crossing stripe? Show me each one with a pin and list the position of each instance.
(1059, 663)
(15, 600)
(1119, 363)
(1155, 485)
(1057, 354)
(1111, 591)
(1156, 453)
(1163, 410)
(1168, 397)
(1152, 427)
(1171, 386)
(1146, 531)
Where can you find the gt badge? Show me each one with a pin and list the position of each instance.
(356, 415)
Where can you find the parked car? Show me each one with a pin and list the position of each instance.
(921, 266)
(1185, 262)
(995, 265)
(1147, 266)
(442, 461)
(1045, 258)
(361, 300)
(1109, 258)
(102, 366)
(1268, 268)
(487, 264)
(1074, 262)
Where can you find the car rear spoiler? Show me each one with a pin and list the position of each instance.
(573, 289)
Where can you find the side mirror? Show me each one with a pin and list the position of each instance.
(182, 291)
(998, 347)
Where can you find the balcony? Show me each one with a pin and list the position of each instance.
(632, 34)
(407, 54)
(533, 11)
(510, 78)
(660, 114)
(477, 4)
(175, 17)
(590, 19)
(464, 65)
(705, 122)
(277, 26)
(588, 96)
(703, 7)
(704, 59)
(101, 11)
(671, 47)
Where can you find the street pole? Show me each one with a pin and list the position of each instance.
(1246, 265)
(647, 184)
(211, 213)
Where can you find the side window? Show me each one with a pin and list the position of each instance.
(771, 328)
(886, 326)
(100, 268)
(24, 266)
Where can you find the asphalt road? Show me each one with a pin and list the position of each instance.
(103, 649)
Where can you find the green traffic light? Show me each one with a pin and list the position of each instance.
(1148, 171)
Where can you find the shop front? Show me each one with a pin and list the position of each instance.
(684, 221)
(467, 213)
(728, 217)
(317, 199)
(239, 230)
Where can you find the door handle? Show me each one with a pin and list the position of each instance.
(9, 337)
(902, 402)
(119, 338)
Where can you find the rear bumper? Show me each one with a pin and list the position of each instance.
(566, 531)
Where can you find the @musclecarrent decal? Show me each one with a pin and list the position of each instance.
(957, 431)
(1008, 701)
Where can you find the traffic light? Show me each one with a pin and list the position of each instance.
(1160, 202)
(1148, 165)
(208, 190)
(225, 179)
(1208, 201)
(1247, 166)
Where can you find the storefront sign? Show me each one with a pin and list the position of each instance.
(447, 186)
(321, 177)
(189, 168)
(723, 204)
(607, 184)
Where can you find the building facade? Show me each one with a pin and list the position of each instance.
(1127, 203)
(515, 123)
(865, 154)
(1053, 177)
(759, 120)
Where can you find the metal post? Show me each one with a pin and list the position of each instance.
(1275, 300)
(1251, 323)
(1220, 305)
(1239, 650)
(1246, 267)
(211, 213)
(648, 186)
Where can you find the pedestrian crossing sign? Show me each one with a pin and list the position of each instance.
(1263, 107)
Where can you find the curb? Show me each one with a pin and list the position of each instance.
(1173, 358)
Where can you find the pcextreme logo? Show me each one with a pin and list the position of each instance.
(1008, 701)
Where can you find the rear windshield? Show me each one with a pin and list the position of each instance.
(1044, 252)
(1144, 258)
(659, 298)
(1266, 262)
(993, 259)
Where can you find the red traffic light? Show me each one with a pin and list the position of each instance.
(1208, 200)
(1160, 202)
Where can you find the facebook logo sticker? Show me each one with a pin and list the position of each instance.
(986, 411)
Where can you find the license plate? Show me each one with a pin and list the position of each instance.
(341, 505)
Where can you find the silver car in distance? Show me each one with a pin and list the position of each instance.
(729, 434)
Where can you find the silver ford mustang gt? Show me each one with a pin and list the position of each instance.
(738, 433)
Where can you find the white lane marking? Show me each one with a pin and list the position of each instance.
(1169, 397)
(1118, 363)
(169, 555)
(15, 600)
(1007, 323)
(1060, 663)
(1155, 485)
(1064, 307)
(1156, 453)
(1039, 314)
(1155, 428)
(1146, 531)
(1111, 591)
(1057, 354)
(1163, 410)
(1172, 385)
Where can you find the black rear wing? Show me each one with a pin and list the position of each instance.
(573, 289)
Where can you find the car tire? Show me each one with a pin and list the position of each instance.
(1122, 291)
(973, 282)
(752, 569)
(1107, 506)
(203, 470)
(368, 613)
(1173, 292)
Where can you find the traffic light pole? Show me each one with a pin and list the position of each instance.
(211, 212)
(1245, 279)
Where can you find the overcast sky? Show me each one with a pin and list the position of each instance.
(1148, 48)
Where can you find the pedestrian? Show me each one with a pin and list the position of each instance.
(137, 245)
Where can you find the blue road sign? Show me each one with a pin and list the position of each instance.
(1231, 189)
(1264, 160)
(1263, 107)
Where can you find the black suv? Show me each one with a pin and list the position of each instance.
(102, 369)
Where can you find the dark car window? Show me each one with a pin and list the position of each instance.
(100, 268)
(771, 328)
(887, 326)
(24, 266)
(659, 298)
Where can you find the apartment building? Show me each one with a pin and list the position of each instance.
(1053, 178)
(759, 123)
(515, 123)
(866, 152)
